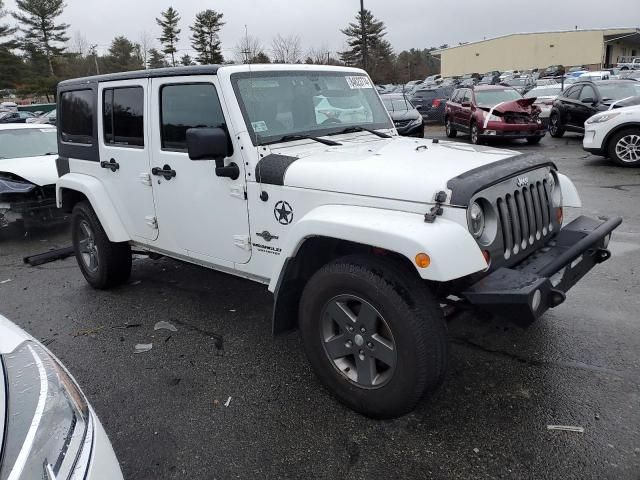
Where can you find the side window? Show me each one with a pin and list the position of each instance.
(587, 92)
(573, 93)
(187, 106)
(123, 116)
(467, 96)
(76, 116)
(455, 96)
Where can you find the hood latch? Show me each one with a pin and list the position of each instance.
(436, 210)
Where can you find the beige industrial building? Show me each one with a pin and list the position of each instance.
(595, 49)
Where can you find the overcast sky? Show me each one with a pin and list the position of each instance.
(410, 23)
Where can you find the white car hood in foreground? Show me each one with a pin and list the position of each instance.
(38, 170)
(11, 336)
(399, 168)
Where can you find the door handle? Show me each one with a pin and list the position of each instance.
(111, 165)
(165, 172)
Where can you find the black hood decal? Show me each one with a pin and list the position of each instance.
(465, 186)
(272, 168)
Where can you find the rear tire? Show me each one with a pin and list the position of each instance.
(555, 129)
(395, 309)
(624, 147)
(451, 132)
(103, 263)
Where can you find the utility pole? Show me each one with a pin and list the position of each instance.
(365, 52)
(94, 52)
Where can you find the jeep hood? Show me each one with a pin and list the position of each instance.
(522, 105)
(37, 170)
(399, 168)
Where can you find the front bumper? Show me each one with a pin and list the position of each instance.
(527, 290)
(103, 464)
(411, 130)
(512, 130)
(33, 213)
(593, 140)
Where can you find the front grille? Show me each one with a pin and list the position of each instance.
(526, 216)
(402, 123)
(517, 118)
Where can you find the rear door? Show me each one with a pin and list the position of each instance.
(464, 116)
(567, 104)
(124, 153)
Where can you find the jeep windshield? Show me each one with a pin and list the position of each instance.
(283, 106)
(27, 142)
(490, 98)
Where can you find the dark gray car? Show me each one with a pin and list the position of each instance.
(430, 102)
(406, 118)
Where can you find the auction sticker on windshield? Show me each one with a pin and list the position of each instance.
(359, 81)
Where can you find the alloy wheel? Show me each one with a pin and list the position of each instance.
(628, 148)
(553, 125)
(87, 246)
(474, 134)
(358, 341)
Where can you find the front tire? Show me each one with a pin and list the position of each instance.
(374, 335)
(451, 132)
(624, 148)
(103, 263)
(475, 133)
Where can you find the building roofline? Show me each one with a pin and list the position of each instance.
(617, 30)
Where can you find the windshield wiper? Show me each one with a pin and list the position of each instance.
(361, 129)
(290, 138)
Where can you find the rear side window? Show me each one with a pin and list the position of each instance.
(123, 116)
(573, 92)
(455, 96)
(76, 116)
(184, 107)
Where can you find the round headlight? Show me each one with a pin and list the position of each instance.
(476, 220)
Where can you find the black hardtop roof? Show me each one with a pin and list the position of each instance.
(150, 73)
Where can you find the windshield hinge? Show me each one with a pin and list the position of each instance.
(238, 191)
(152, 222)
(242, 241)
(436, 210)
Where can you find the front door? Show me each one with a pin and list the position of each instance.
(124, 153)
(200, 215)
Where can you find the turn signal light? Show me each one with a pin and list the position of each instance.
(487, 256)
(559, 215)
(423, 260)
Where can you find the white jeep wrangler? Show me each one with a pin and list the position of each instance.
(294, 176)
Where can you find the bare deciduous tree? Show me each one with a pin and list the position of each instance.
(247, 49)
(78, 44)
(146, 43)
(320, 55)
(286, 49)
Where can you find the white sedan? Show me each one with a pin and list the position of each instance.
(28, 175)
(48, 429)
(615, 134)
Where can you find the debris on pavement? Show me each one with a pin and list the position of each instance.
(226, 404)
(5, 281)
(216, 402)
(476, 450)
(86, 333)
(566, 428)
(143, 347)
(137, 282)
(127, 326)
(165, 326)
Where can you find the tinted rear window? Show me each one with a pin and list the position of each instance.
(123, 116)
(76, 116)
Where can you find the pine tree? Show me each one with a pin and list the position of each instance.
(205, 38)
(378, 50)
(123, 55)
(156, 59)
(6, 31)
(170, 32)
(38, 24)
(186, 60)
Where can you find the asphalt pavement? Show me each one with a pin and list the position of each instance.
(165, 410)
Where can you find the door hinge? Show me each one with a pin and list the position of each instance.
(242, 241)
(145, 179)
(238, 191)
(152, 222)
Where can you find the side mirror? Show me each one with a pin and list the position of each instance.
(212, 144)
(588, 100)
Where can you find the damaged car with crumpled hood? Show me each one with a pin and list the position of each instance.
(493, 112)
(28, 175)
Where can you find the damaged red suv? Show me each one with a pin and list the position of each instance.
(492, 111)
